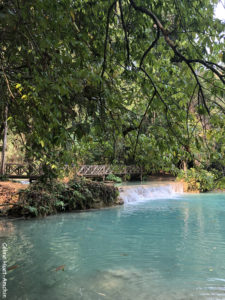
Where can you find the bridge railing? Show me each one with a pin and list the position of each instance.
(14, 170)
(102, 170)
(22, 170)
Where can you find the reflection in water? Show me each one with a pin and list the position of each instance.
(6, 228)
(164, 249)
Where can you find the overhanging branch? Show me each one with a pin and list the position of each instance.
(207, 64)
(106, 38)
(125, 32)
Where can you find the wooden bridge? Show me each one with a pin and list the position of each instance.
(13, 170)
(104, 170)
(23, 171)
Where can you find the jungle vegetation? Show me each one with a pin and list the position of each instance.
(115, 81)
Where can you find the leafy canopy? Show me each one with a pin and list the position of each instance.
(131, 81)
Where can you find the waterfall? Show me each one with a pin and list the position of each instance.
(153, 191)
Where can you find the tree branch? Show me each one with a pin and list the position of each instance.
(178, 53)
(7, 83)
(125, 32)
(106, 39)
(150, 47)
(139, 127)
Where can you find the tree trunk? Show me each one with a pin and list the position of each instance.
(4, 145)
(185, 167)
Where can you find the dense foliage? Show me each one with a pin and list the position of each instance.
(131, 82)
(112, 177)
(42, 199)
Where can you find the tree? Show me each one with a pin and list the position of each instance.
(155, 76)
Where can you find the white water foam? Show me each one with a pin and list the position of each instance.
(142, 193)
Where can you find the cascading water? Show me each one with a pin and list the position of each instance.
(142, 193)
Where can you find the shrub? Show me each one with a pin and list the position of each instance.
(42, 199)
(220, 183)
(112, 177)
(198, 179)
(4, 178)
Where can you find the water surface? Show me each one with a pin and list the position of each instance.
(170, 248)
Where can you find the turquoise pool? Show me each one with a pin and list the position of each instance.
(170, 248)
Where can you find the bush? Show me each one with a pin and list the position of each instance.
(220, 183)
(4, 178)
(42, 199)
(198, 179)
(114, 178)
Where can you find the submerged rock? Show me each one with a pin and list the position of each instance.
(119, 201)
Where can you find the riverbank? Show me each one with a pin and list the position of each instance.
(42, 199)
(12, 192)
(9, 192)
(39, 199)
